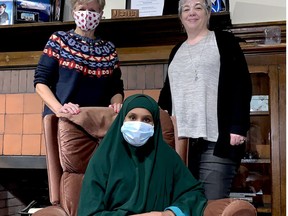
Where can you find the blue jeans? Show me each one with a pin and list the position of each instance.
(214, 172)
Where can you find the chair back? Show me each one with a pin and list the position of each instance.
(70, 143)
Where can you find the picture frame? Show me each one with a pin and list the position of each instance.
(171, 6)
(128, 4)
(27, 16)
(6, 12)
(219, 6)
(150, 8)
(57, 10)
(33, 11)
(259, 103)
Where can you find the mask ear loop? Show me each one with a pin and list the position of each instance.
(73, 13)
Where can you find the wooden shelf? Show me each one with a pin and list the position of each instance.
(256, 113)
(261, 160)
(127, 55)
(130, 32)
(264, 209)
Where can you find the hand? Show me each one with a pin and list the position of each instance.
(149, 214)
(155, 213)
(116, 107)
(236, 139)
(70, 108)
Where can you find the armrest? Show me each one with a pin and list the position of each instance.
(229, 207)
(54, 169)
(181, 144)
(50, 211)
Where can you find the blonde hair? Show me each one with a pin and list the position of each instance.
(100, 2)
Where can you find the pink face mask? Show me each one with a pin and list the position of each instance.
(87, 20)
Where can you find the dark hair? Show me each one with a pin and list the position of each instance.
(3, 5)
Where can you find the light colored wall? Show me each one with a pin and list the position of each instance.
(242, 11)
(250, 11)
(113, 4)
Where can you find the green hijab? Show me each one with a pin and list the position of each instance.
(123, 180)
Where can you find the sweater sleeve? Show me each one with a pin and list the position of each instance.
(165, 98)
(243, 93)
(117, 86)
(47, 69)
(240, 87)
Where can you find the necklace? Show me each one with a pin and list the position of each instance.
(196, 62)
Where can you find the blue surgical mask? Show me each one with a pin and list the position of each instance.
(137, 133)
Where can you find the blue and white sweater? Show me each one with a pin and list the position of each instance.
(79, 70)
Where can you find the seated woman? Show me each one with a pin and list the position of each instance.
(135, 172)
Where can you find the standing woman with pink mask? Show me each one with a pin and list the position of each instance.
(78, 68)
(208, 90)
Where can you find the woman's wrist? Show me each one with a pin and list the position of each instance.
(168, 213)
(174, 210)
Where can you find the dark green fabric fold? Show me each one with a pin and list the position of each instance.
(123, 180)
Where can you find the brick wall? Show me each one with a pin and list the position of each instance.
(21, 124)
(9, 205)
(19, 187)
(21, 130)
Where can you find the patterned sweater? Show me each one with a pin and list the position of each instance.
(79, 70)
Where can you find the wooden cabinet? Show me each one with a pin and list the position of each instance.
(267, 65)
(257, 159)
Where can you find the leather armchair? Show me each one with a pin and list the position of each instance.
(71, 141)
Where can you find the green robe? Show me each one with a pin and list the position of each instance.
(123, 180)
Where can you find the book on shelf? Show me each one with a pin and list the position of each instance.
(249, 199)
(248, 196)
(6, 12)
(241, 194)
